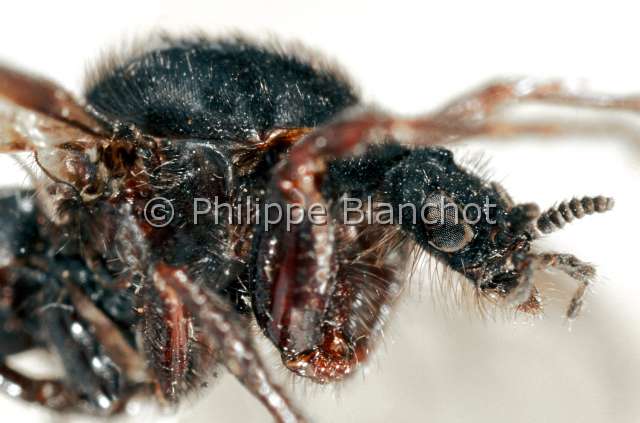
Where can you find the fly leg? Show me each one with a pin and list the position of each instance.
(223, 331)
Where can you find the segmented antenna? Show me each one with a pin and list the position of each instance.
(556, 217)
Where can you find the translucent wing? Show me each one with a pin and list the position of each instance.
(36, 113)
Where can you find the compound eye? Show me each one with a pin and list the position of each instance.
(451, 238)
(445, 225)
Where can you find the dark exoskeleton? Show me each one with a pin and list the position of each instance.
(138, 306)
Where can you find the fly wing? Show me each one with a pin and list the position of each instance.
(38, 114)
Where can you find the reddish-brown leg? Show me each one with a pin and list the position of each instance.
(45, 97)
(110, 337)
(36, 114)
(471, 115)
(55, 395)
(227, 334)
(50, 393)
(481, 104)
(322, 293)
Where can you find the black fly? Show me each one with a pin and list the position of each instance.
(134, 307)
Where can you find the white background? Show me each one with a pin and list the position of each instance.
(438, 363)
